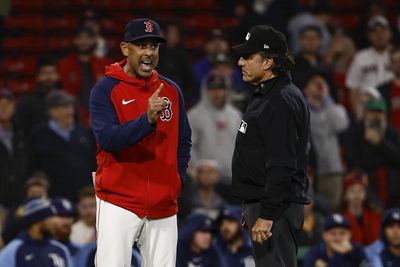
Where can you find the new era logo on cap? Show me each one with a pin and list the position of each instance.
(338, 218)
(248, 36)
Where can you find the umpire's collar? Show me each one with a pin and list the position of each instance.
(264, 87)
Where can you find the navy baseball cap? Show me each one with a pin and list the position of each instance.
(262, 38)
(336, 220)
(35, 209)
(139, 29)
(64, 207)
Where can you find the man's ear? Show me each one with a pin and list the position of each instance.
(268, 63)
(124, 48)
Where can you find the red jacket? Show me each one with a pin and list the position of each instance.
(369, 231)
(140, 166)
(70, 74)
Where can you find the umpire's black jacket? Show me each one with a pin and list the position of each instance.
(272, 148)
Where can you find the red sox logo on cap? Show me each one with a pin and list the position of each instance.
(149, 26)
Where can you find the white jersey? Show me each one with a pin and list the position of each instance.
(369, 69)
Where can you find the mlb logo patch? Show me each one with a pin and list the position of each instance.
(243, 127)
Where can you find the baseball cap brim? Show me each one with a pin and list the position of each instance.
(152, 37)
(244, 50)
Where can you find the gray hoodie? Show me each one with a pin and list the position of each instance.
(214, 132)
(326, 124)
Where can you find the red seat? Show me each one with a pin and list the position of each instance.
(25, 66)
(59, 43)
(24, 44)
(63, 23)
(21, 86)
(29, 22)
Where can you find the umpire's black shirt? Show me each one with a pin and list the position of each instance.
(272, 148)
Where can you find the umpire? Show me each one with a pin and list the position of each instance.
(271, 150)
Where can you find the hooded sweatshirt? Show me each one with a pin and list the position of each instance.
(214, 131)
(140, 165)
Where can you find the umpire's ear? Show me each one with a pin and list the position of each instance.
(124, 48)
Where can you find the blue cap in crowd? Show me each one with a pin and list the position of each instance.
(139, 29)
(336, 220)
(231, 213)
(64, 207)
(36, 209)
(391, 216)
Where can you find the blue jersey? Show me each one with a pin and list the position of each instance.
(26, 252)
(241, 258)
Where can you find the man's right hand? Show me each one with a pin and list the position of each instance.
(155, 105)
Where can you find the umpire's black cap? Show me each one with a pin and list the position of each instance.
(262, 38)
(139, 29)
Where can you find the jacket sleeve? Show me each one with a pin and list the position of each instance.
(184, 139)
(8, 254)
(279, 134)
(337, 116)
(109, 133)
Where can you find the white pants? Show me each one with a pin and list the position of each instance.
(118, 229)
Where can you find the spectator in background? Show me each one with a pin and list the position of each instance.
(14, 151)
(315, 16)
(312, 228)
(86, 256)
(388, 255)
(336, 248)
(174, 62)
(340, 52)
(216, 43)
(370, 9)
(31, 109)
(35, 186)
(370, 66)
(65, 217)
(373, 146)
(214, 122)
(91, 20)
(308, 60)
(81, 69)
(356, 205)
(232, 241)
(62, 148)
(195, 247)
(34, 247)
(204, 198)
(223, 65)
(327, 121)
(3, 215)
(83, 230)
(390, 90)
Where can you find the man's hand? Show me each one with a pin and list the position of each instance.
(155, 105)
(261, 230)
(342, 247)
(372, 136)
(320, 263)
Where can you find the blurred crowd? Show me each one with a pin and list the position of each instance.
(351, 81)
